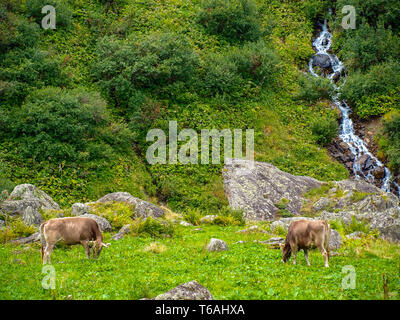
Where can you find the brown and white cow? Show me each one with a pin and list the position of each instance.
(307, 234)
(72, 230)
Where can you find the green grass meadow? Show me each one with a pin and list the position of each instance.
(128, 269)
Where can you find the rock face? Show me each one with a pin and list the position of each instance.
(32, 217)
(255, 187)
(142, 208)
(103, 223)
(124, 230)
(217, 245)
(335, 239)
(188, 291)
(79, 209)
(27, 195)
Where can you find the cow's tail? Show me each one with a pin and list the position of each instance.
(42, 239)
(327, 236)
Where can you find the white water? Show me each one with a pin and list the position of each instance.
(347, 133)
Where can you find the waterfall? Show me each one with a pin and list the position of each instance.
(357, 146)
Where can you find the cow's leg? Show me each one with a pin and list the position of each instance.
(47, 252)
(306, 256)
(86, 246)
(324, 254)
(294, 251)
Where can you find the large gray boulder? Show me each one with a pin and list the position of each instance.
(188, 291)
(142, 208)
(27, 195)
(255, 187)
(32, 217)
(103, 223)
(123, 231)
(79, 209)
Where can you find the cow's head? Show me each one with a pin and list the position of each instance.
(286, 251)
(97, 247)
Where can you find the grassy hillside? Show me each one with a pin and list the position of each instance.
(148, 63)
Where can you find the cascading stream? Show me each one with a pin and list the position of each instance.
(357, 146)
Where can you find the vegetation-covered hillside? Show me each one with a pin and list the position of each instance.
(78, 101)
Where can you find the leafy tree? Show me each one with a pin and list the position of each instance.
(155, 61)
(59, 125)
(234, 19)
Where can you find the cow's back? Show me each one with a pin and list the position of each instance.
(73, 229)
(304, 233)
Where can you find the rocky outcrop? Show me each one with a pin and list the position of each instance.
(255, 187)
(32, 217)
(217, 245)
(27, 195)
(142, 208)
(103, 223)
(321, 60)
(79, 209)
(387, 221)
(188, 291)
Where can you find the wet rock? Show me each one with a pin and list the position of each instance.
(379, 173)
(188, 291)
(321, 60)
(255, 187)
(217, 245)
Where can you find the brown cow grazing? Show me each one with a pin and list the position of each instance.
(73, 230)
(307, 234)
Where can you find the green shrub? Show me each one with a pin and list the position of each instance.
(234, 19)
(152, 227)
(324, 130)
(59, 125)
(117, 213)
(192, 216)
(33, 8)
(14, 229)
(378, 104)
(313, 88)
(391, 127)
(22, 71)
(154, 61)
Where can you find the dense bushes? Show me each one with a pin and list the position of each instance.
(59, 125)
(314, 88)
(154, 61)
(379, 80)
(234, 19)
(33, 8)
(324, 130)
(392, 131)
